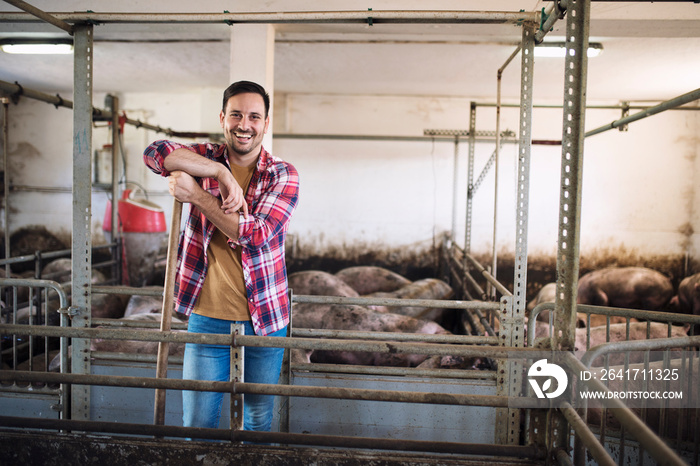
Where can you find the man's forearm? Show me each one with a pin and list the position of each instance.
(210, 206)
(192, 163)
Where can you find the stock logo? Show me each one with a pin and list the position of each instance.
(552, 371)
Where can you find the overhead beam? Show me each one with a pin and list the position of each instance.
(367, 17)
(34, 11)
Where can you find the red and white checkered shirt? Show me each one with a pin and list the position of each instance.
(272, 197)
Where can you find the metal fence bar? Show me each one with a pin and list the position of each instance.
(436, 303)
(656, 447)
(642, 315)
(662, 107)
(278, 390)
(597, 450)
(397, 371)
(448, 338)
(637, 345)
(249, 340)
(528, 451)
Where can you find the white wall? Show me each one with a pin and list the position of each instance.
(639, 186)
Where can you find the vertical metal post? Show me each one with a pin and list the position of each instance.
(571, 173)
(470, 181)
(455, 184)
(286, 375)
(82, 192)
(237, 371)
(114, 108)
(513, 308)
(573, 134)
(6, 180)
(523, 191)
(497, 153)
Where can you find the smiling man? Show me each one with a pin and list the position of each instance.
(231, 264)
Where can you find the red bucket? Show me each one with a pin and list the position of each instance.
(136, 215)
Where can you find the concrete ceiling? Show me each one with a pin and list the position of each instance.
(651, 51)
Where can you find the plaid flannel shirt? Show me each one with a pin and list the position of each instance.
(272, 197)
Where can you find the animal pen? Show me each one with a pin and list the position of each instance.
(98, 408)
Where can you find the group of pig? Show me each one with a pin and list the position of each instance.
(629, 287)
(644, 289)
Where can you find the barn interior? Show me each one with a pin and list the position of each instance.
(436, 143)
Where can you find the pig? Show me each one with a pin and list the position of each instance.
(618, 332)
(133, 346)
(428, 288)
(351, 317)
(140, 304)
(104, 306)
(369, 279)
(625, 287)
(316, 282)
(547, 294)
(689, 295)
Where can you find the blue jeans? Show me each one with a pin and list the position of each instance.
(213, 362)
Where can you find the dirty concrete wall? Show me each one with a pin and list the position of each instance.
(359, 196)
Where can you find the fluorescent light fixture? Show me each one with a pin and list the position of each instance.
(38, 49)
(37, 46)
(558, 50)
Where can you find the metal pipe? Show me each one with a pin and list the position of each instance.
(428, 135)
(515, 451)
(114, 109)
(497, 153)
(436, 303)
(62, 297)
(501, 289)
(667, 317)
(6, 178)
(597, 450)
(456, 339)
(637, 345)
(34, 11)
(658, 316)
(98, 113)
(656, 447)
(669, 104)
(552, 14)
(455, 184)
(128, 290)
(396, 371)
(361, 17)
(256, 341)
(277, 390)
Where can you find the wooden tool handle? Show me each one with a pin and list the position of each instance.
(166, 316)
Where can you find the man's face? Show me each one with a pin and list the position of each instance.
(244, 124)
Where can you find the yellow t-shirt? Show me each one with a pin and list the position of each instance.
(223, 294)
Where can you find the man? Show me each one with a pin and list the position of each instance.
(231, 263)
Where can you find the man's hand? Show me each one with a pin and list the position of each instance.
(184, 187)
(233, 196)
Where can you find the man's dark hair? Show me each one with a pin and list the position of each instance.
(241, 87)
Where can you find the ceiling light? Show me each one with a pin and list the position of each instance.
(558, 50)
(37, 46)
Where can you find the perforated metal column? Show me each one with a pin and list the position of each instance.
(470, 182)
(82, 190)
(512, 332)
(237, 371)
(571, 172)
(576, 68)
